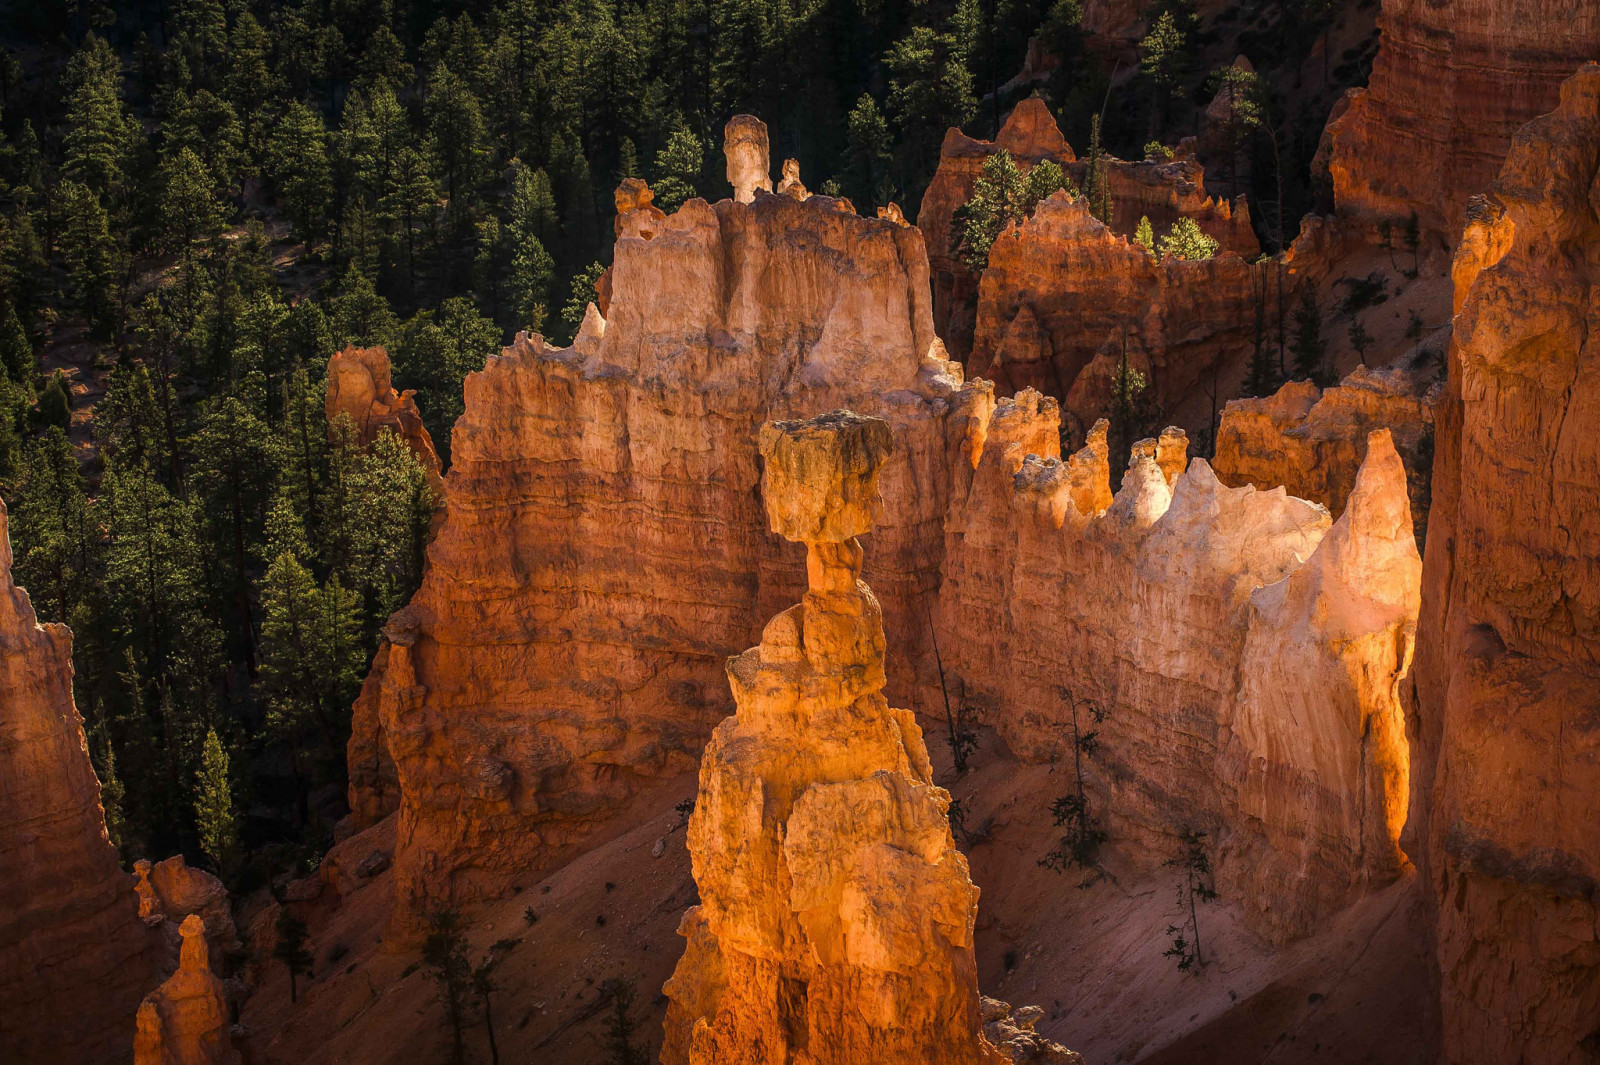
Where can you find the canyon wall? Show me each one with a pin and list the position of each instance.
(1452, 84)
(605, 548)
(1163, 191)
(1507, 735)
(836, 916)
(359, 386)
(72, 952)
(1237, 658)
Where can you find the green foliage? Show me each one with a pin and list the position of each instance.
(435, 354)
(1195, 886)
(290, 948)
(297, 164)
(16, 350)
(678, 166)
(1130, 414)
(1157, 152)
(112, 794)
(1002, 195)
(54, 407)
(1185, 240)
(871, 154)
(1143, 235)
(583, 294)
(1307, 346)
(213, 805)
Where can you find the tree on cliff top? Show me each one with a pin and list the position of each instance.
(1002, 195)
(1186, 240)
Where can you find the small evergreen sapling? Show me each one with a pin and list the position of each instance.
(291, 949)
(1195, 886)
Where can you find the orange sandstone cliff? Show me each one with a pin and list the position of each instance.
(1507, 744)
(72, 952)
(605, 548)
(1452, 84)
(359, 385)
(185, 1020)
(836, 916)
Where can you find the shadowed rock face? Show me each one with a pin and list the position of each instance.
(1507, 749)
(1452, 84)
(1236, 657)
(836, 917)
(72, 951)
(605, 548)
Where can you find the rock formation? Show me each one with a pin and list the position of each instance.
(170, 891)
(836, 915)
(791, 184)
(744, 142)
(1062, 293)
(1312, 441)
(605, 549)
(1162, 190)
(185, 1020)
(72, 951)
(1161, 611)
(358, 385)
(1452, 84)
(1507, 746)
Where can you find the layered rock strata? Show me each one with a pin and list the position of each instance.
(605, 548)
(72, 952)
(1312, 441)
(1162, 190)
(836, 914)
(1452, 84)
(1508, 665)
(1063, 294)
(359, 386)
(185, 1020)
(1237, 659)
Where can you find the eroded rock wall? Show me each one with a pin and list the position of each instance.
(359, 386)
(72, 952)
(185, 1020)
(1452, 84)
(1507, 743)
(1158, 617)
(605, 548)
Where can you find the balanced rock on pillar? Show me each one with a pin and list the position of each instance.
(185, 1020)
(744, 142)
(837, 915)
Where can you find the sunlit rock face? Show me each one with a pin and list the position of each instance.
(606, 549)
(1312, 441)
(1161, 191)
(1507, 746)
(1238, 658)
(185, 1020)
(836, 915)
(72, 951)
(1063, 294)
(1452, 84)
(359, 386)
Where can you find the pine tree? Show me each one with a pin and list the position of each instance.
(867, 171)
(95, 263)
(1001, 196)
(678, 170)
(298, 166)
(1130, 412)
(112, 794)
(1163, 59)
(455, 125)
(189, 212)
(1144, 236)
(1187, 241)
(359, 314)
(291, 949)
(56, 542)
(102, 138)
(16, 350)
(583, 294)
(1307, 346)
(213, 806)
(444, 952)
(1096, 182)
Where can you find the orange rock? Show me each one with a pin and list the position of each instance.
(605, 549)
(1506, 749)
(1451, 85)
(185, 1020)
(73, 955)
(1313, 442)
(358, 385)
(1180, 616)
(744, 141)
(836, 915)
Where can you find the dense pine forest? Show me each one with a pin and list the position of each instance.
(202, 200)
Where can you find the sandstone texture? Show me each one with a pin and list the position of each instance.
(1452, 84)
(836, 915)
(1162, 191)
(605, 548)
(169, 892)
(1507, 743)
(185, 1020)
(358, 385)
(72, 952)
(1312, 441)
(1063, 293)
(1238, 659)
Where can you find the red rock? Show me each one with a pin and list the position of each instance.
(73, 955)
(358, 385)
(1507, 747)
(185, 1020)
(1452, 84)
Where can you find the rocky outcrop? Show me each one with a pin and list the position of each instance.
(1063, 293)
(605, 549)
(1179, 619)
(185, 1020)
(72, 951)
(836, 915)
(170, 891)
(358, 385)
(1507, 744)
(744, 142)
(1162, 190)
(1312, 441)
(1451, 85)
